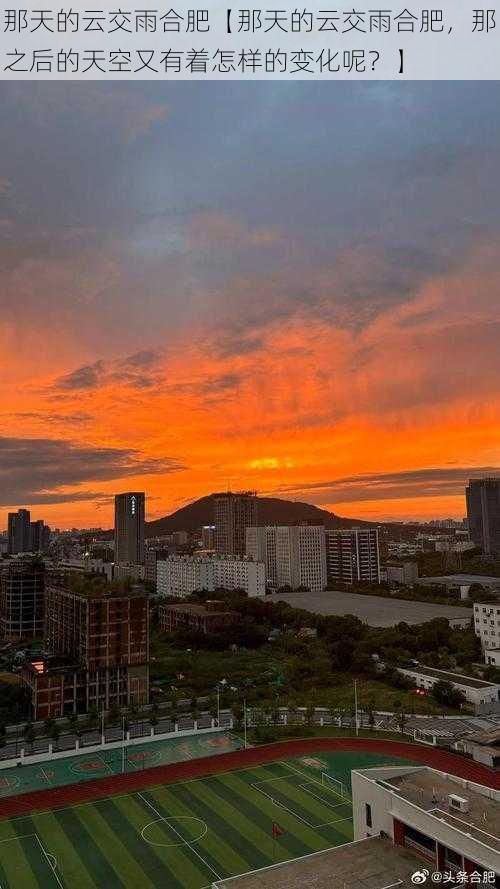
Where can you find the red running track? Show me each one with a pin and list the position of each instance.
(98, 788)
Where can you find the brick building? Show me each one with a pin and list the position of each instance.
(206, 619)
(98, 641)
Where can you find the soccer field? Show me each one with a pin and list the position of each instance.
(182, 836)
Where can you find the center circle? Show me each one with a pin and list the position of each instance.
(177, 819)
(89, 766)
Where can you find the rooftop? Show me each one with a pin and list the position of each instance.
(50, 664)
(462, 579)
(453, 728)
(376, 611)
(95, 586)
(201, 610)
(448, 676)
(367, 864)
(429, 790)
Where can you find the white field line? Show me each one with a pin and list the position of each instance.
(295, 814)
(162, 818)
(52, 865)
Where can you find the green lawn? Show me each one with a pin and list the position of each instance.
(185, 835)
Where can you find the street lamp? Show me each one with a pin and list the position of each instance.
(123, 744)
(222, 682)
(356, 706)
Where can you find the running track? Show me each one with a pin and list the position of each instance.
(59, 797)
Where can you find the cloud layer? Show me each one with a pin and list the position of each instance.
(47, 471)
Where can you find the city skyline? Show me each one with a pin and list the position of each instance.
(193, 300)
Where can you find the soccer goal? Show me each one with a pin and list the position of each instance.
(334, 784)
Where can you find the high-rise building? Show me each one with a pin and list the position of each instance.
(129, 527)
(233, 514)
(294, 555)
(151, 558)
(483, 513)
(208, 536)
(40, 536)
(19, 531)
(352, 555)
(98, 640)
(22, 590)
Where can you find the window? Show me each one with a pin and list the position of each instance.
(368, 814)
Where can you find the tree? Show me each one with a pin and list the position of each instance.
(153, 718)
(195, 713)
(114, 715)
(48, 725)
(29, 733)
(174, 713)
(92, 718)
(446, 694)
(55, 733)
(310, 709)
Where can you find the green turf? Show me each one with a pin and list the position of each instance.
(185, 835)
(85, 766)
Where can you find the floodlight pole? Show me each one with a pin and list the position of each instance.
(356, 706)
(123, 744)
(245, 721)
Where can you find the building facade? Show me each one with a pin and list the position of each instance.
(294, 555)
(233, 514)
(39, 536)
(129, 527)
(19, 531)
(487, 624)
(208, 619)
(99, 652)
(404, 573)
(182, 575)
(22, 599)
(352, 555)
(151, 558)
(483, 513)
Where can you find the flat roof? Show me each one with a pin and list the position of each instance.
(372, 863)
(429, 790)
(201, 610)
(462, 579)
(449, 676)
(376, 611)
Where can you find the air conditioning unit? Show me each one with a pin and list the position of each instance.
(459, 803)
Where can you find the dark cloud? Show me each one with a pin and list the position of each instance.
(39, 470)
(38, 416)
(432, 482)
(136, 370)
(87, 377)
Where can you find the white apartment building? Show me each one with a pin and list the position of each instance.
(352, 555)
(182, 575)
(487, 624)
(294, 555)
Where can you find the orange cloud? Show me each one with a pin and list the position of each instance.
(288, 407)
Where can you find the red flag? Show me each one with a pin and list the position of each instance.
(277, 830)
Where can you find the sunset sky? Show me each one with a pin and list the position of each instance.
(287, 287)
